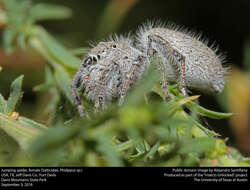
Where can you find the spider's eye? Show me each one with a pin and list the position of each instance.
(87, 61)
(95, 59)
(98, 56)
(114, 46)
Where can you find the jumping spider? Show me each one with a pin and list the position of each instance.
(112, 67)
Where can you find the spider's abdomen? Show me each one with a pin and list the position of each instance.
(203, 67)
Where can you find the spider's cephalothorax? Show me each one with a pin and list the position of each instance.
(113, 66)
(108, 71)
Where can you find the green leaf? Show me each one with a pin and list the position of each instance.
(21, 40)
(80, 51)
(9, 36)
(8, 146)
(53, 92)
(53, 103)
(2, 104)
(147, 146)
(62, 77)
(15, 95)
(17, 12)
(42, 87)
(208, 113)
(23, 134)
(125, 145)
(56, 50)
(49, 81)
(63, 81)
(42, 11)
(11, 5)
(203, 111)
(153, 150)
(31, 123)
(140, 147)
(174, 106)
(198, 145)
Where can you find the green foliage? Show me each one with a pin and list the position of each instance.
(21, 17)
(44, 11)
(15, 95)
(145, 131)
(9, 106)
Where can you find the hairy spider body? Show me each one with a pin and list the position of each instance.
(112, 67)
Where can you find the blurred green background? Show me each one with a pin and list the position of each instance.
(225, 22)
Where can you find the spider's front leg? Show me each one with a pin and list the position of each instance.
(132, 76)
(77, 97)
(100, 99)
(103, 91)
(166, 51)
(76, 83)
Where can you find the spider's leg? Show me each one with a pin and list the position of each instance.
(99, 103)
(164, 48)
(164, 81)
(181, 60)
(126, 85)
(77, 97)
(76, 83)
(100, 99)
(131, 76)
(161, 66)
(103, 91)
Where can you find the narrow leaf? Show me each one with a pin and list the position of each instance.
(56, 50)
(124, 146)
(80, 51)
(63, 80)
(208, 113)
(139, 146)
(62, 77)
(49, 81)
(15, 95)
(22, 133)
(44, 11)
(2, 104)
(153, 150)
(21, 40)
(187, 99)
(31, 123)
(9, 36)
